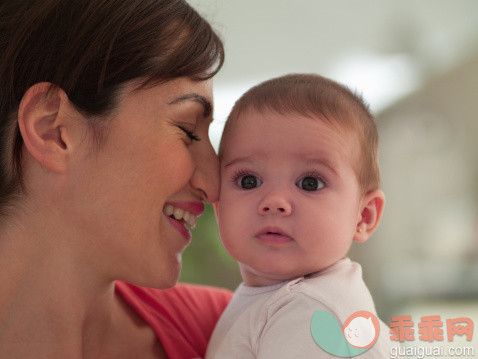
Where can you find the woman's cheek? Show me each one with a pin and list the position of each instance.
(178, 167)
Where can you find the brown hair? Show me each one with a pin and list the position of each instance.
(314, 96)
(89, 49)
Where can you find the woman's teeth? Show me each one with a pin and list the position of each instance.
(180, 214)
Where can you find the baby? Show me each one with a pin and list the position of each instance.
(299, 183)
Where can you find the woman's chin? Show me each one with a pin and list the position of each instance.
(161, 276)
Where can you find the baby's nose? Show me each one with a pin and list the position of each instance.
(275, 204)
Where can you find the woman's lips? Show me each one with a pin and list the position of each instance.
(181, 228)
(273, 235)
(195, 208)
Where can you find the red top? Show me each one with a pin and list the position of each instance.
(182, 317)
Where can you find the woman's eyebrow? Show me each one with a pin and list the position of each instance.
(197, 98)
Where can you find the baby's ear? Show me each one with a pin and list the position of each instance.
(371, 210)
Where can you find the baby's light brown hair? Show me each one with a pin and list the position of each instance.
(317, 97)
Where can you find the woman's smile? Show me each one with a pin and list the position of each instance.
(182, 215)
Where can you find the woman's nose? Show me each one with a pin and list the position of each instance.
(205, 179)
(275, 203)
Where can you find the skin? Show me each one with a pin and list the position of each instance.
(313, 229)
(93, 216)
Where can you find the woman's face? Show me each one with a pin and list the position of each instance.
(157, 159)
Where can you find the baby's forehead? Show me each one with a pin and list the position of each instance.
(338, 118)
(288, 134)
(295, 121)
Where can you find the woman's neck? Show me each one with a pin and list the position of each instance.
(49, 303)
(54, 302)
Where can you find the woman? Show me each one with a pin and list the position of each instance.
(105, 162)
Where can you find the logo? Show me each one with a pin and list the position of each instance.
(430, 328)
(357, 335)
(435, 336)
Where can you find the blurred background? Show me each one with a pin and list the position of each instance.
(416, 64)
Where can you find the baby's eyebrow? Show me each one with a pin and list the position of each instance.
(321, 161)
(238, 160)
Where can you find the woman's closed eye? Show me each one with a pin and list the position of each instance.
(192, 136)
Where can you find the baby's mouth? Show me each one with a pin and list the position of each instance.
(180, 215)
(274, 231)
(274, 235)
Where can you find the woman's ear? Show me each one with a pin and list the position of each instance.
(371, 210)
(44, 128)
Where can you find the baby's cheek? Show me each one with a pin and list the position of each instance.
(232, 224)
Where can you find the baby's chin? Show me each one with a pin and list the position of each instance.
(269, 276)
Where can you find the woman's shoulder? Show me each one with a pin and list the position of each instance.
(183, 317)
(201, 300)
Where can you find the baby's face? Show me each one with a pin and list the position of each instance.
(290, 199)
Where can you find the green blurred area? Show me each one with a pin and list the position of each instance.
(205, 261)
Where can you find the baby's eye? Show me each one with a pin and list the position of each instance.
(249, 182)
(310, 184)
